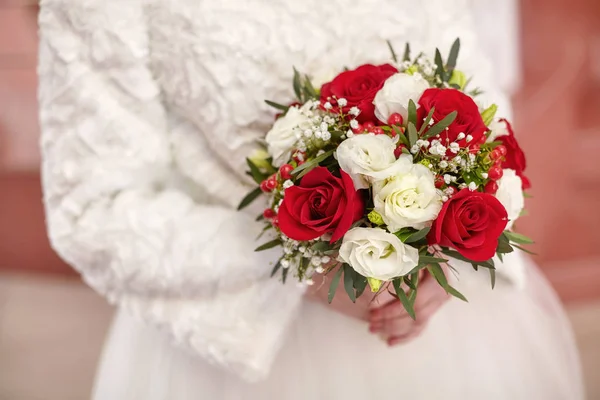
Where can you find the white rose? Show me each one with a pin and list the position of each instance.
(285, 133)
(368, 158)
(510, 194)
(375, 253)
(395, 94)
(498, 128)
(407, 199)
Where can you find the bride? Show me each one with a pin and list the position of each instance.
(148, 108)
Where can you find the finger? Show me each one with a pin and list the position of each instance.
(414, 333)
(431, 294)
(402, 325)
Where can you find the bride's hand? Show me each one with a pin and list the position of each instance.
(392, 322)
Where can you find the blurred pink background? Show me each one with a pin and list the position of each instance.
(557, 121)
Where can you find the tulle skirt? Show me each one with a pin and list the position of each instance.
(506, 343)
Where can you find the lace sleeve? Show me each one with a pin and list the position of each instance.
(177, 263)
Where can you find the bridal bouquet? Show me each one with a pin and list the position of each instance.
(386, 173)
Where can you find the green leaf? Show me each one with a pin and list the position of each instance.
(412, 112)
(504, 247)
(406, 56)
(394, 57)
(404, 233)
(255, 172)
(268, 245)
(260, 218)
(441, 125)
(266, 228)
(409, 282)
(493, 277)
(320, 246)
(423, 260)
(405, 151)
(414, 277)
(349, 282)
(309, 89)
(475, 266)
(518, 238)
(401, 135)
(525, 250)
(427, 120)
(440, 64)
(297, 85)
(488, 114)
(457, 255)
(284, 274)
(453, 56)
(455, 293)
(249, 198)
(276, 268)
(277, 105)
(360, 283)
(500, 257)
(408, 305)
(312, 163)
(334, 284)
(412, 134)
(438, 274)
(415, 237)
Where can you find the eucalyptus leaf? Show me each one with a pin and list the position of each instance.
(249, 198)
(404, 233)
(408, 305)
(360, 283)
(268, 245)
(320, 246)
(493, 277)
(277, 105)
(266, 228)
(457, 255)
(456, 293)
(349, 282)
(504, 247)
(440, 126)
(297, 85)
(412, 112)
(401, 135)
(438, 274)
(255, 172)
(427, 120)
(334, 284)
(415, 237)
(394, 57)
(276, 268)
(439, 62)
(431, 260)
(406, 56)
(309, 89)
(284, 274)
(312, 163)
(413, 136)
(518, 238)
(260, 218)
(453, 56)
(525, 250)
(408, 282)
(405, 151)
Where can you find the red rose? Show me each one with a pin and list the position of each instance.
(515, 157)
(359, 88)
(445, 101)
(471, 223)
(320, 203)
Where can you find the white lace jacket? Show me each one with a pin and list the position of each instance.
(148, 109)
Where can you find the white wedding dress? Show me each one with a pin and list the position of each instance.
(148, 108)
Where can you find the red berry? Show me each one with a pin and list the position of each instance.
(263, 186)
(482, 140)
(501, 149)
(271, 183)
(275, 221)
(269, 213)
(368, 125)
(439, 182)
(285, 171)
(474, 149)
(495, 154)
(358, 129)
(378, 130)
(495, 173)
(491, 187)
(395, 119)
(398, 150)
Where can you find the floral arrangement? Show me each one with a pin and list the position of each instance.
(386, 173)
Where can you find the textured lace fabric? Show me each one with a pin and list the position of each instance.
(148, 109)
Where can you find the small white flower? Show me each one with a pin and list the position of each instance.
(353, 124)
(354, 111)
(472, 186)
(288, 184)
(342, 102)
(318, 134)
(443, 164)
(444, 198)
(375, 253)
(484, 175)
(327, 105)
(309, 282)
(325, 259)
(414, 149)
(326, 136)
(462, 186)
(469, 138)
(285, 263)
(315, 260)
(454, 147)
(320, 152)
(302, 249)
(461, 136)
(308, 133)
(396, 93)
(431, 122)
(319, 270)
(448, 179)
(510, 194)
